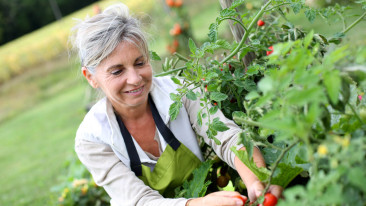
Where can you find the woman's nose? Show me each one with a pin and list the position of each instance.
(133, 77)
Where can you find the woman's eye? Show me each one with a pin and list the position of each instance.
(116, 72)
(140, 64)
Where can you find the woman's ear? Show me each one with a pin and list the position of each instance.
(90, 77)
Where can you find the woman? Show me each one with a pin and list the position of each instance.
(127, 140)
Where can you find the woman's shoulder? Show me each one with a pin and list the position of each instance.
(95, 122)
(165, 83)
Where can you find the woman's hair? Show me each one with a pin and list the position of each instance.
(96, 37)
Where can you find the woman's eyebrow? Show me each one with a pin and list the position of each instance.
(115, 66)
(138, 58)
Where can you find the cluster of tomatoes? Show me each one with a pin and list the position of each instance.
(174, 3)
(261, 23)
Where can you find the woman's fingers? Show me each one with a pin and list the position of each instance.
(224, 198)
(276, 190)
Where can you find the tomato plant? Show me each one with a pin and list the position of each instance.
(299, 104)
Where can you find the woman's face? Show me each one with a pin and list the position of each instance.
(124, 76)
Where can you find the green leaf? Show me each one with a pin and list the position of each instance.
(174, 97)
(175, 80)
(357, 177)
(199, 117)
(239, 117)
(252, 95)
(250, 85)
(261, 173)
(223, 44)
(265, 84)
(212, 34)
(218, 125)
(192, 46)
(228, 12)
(191, 95)
(213, 110)
(296, 7)
(236, 3)
(308, 38)
(218, 96)
(154, 56)
(310, 14)
(197, 187)
(174, 110)
(332, 82)
(248, 144)
(284, 174)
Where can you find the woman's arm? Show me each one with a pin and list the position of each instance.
(118, 180)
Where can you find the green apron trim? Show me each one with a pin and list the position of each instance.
(171, 170)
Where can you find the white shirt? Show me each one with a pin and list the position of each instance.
(100, 146)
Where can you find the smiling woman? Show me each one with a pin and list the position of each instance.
(127, 140)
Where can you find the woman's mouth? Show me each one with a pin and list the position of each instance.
(136, 91)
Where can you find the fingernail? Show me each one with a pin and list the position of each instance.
(239, 202)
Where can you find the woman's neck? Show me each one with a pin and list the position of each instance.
(133, 113)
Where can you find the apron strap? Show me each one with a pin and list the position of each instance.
(163, 129)
(135, 162)
(168, 136)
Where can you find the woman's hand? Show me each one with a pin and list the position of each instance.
(255, 190)
(221, 198)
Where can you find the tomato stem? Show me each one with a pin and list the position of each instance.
(354, 23)
(279, 5)
(246, 34)
(241, 23)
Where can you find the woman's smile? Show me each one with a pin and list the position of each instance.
(136, 92)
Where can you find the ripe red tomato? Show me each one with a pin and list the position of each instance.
(178, 3)
(270, 52)
(269, 200)
(170, 3)
(260, 23)
(242, 198)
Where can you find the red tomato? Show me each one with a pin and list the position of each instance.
(178, 3)
(169, 2)
(269, 200)
(260, 23)
(242, 198)
(270, 52)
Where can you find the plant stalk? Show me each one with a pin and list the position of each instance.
(354, 23)
(246, 34)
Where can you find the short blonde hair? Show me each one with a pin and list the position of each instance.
(96, 37)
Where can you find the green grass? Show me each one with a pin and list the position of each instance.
(35, 145)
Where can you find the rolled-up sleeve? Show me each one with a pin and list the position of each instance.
(118, 180)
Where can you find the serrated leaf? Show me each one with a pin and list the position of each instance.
(175, 80)
(284, 174)
(248, 144)
(213, 110)
(296, 7)
(236, 3)
(191, 95)
(197, 187)
(310, 14)
(261, 173)
(218, 96)
(332, 82)
(308, 38)
(212, 34)
(192, 46)
(223, 44)
(228, 12)
(174, 110)
(219, 125)
(154, 56)
(239, 117)
(199, 117)
(174, 97)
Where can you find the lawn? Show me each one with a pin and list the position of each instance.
(34, 146)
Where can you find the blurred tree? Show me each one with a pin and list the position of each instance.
(18, 17)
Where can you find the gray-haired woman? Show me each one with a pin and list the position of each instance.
(127, 140)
